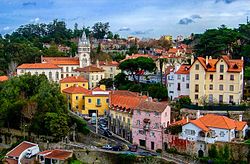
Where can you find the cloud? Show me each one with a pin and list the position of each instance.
(6, 28)
(185, 21)
(225, 1)
(124, 29)
(196, 16)
(29, 4)
(36, 20)
(139, 32)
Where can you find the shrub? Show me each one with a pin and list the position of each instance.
(158, 150)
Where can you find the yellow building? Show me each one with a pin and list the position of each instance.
(216, 80)
(72, 81)
(92, 73)
(86, 101)
(121, 109)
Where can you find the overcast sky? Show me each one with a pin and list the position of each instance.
(142, 18)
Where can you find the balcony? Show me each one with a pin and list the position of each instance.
(98, 105)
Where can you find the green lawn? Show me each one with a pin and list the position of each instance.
(76, 162)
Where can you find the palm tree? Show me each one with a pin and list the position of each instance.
(161, 61)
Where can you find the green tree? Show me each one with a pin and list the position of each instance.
(161, 61)
(133, 49)
(100, 30)
(212, 152)
(110, 35)
(158, 91)
(107, 82)
(116, 36)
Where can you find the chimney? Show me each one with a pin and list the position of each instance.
(206, 60)
(187, 119)
(192, 59)
(198, 114)
(97, 63)
(210, 57)
(240, 117)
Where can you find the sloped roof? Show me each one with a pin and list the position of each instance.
(58, 154)
(152, 106)
(184, 69)
(76, 90)
(128, 102)
(124, 93)
(15, 152)
(97, 89)
(4, 78)
(38, 66)
(108, 63)
(72, 79)
(89, 69)
(180, 122)
(61, 60)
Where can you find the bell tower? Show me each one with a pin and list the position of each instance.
(84, 51)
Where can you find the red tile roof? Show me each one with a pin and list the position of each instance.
(76, 90)
(108, 63)
(217, 121)
(4, 78)
(58, 154)
(152, 106)
(184, 69)
(97, 89)
(180, 122)
(89, 69)
(10, 161)
(61, 60)
(38, 66)
(234, 65)
(15, 152)
(127, 102)
(124, 93)
(173, 50)
(72, 79)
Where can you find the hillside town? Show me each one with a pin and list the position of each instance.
(90, 95)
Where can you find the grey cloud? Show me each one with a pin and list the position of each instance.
(225, 1)
(124, 29)
(29, 4)
(185, 21)
(196, 16)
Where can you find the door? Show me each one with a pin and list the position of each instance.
(152, 145)
(142, 143)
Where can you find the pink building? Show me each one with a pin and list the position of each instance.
(148, 122)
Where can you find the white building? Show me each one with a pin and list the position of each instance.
(178, 81)
(57, 68)
(211, 128)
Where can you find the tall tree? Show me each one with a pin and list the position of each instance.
(100, 30)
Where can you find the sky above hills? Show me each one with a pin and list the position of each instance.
(142, 18)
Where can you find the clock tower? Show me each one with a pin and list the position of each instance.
(84, 51)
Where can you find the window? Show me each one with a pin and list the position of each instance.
(231, 98)
(138, 122)
(156, 114)
(179, 77)
(187, 85)
(220, 98)
(76, 97)
(221, 77)
(128, 121)
(107, 100)
(67, 69)
(66, 85)
(196, 96)
(57, 75)
(76, 106)
(92, 77)
(141, 132)
(221, 68)
(211, 77)
(72, 68)
(43, 73)
(183, 79)
(187, 77)
(83, 85)
(83, 107)
(231, 77)
(139, 112)
(83, 97)
(111, 76)
(152, 134)
(101, 76)
(62, 76)
(98, 101)
(196, 76)
(221, 87)
(190, 132)
(211, 87)
(36, 73)
(210, 98)
(67, 75)
(111, 69)
(156, 126)
(89, 100)
(50, 75)
(222, 134)
(96, 77)
(179, 87)
(231, 87)
(196, 88)
(196, 66)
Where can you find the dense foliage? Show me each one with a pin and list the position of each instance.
(34, 102)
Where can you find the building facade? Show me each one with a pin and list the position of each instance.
(178, 81)
(148, 123)
(72, 81)
(110, 68)
(216, 80)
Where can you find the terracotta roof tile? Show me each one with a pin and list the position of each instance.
(200, 124)
(97, 89)
(184, 69)
(38, 66)
(76, 89)
(15, 152)
(61, 60)
(4, 78)
(59, 154)
(240, 125)
(180, 122)
(128, 102)
(152, 106)
(89, 69)
(72, 79)
(108, 63)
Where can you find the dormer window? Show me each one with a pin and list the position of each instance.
(235, 66)
(221, 68)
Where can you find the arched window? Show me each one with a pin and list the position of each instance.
(57, 75)
(50, 75)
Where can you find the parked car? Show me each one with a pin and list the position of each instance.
(133, 148)
(144, 153)
(117, 148)
(107, 147)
